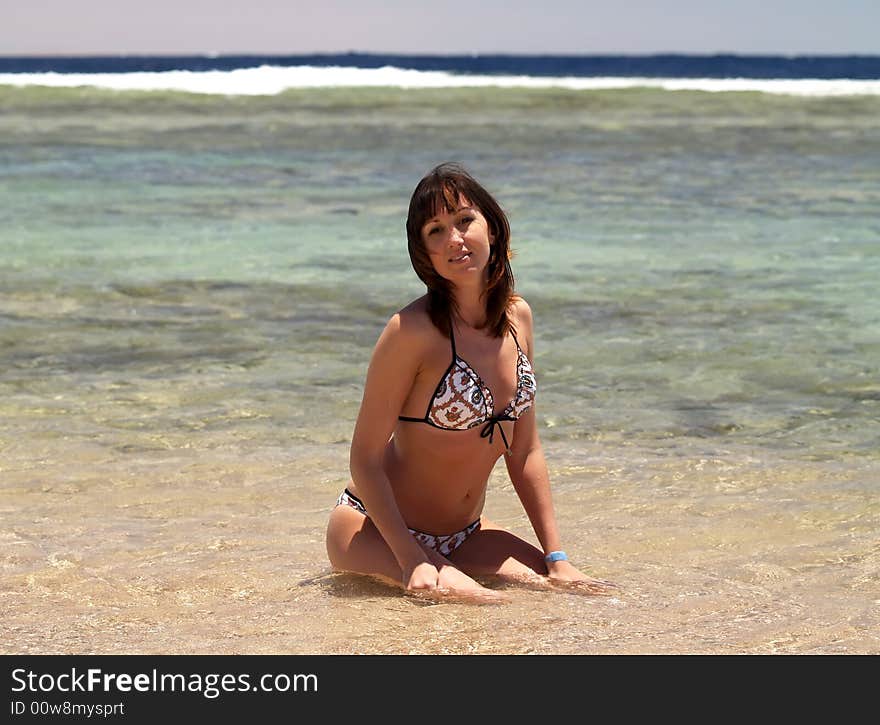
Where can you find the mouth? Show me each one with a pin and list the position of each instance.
(463, 257)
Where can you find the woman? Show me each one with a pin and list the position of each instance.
(449, 390)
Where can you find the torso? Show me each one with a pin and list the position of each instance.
(439, 475)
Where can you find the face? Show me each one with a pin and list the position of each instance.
(459, 243)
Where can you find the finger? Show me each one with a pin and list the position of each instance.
(605, 583)
(421, 584)
(598, 584)
(586, 586)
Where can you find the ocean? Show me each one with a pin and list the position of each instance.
(196, 258)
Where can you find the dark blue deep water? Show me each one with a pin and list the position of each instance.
(857, 67)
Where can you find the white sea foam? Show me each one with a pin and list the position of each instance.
(270, 80)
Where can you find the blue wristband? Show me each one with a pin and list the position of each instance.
(556, 556)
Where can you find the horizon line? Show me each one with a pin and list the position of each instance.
(480, 54)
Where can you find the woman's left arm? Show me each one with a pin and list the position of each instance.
(527, 469)
(528, 472)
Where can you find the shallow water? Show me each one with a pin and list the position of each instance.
(190, 287)
(215, 546)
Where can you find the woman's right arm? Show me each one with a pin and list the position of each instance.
(393, 367)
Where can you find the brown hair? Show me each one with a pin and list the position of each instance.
(441, 190)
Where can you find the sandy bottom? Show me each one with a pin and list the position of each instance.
(219, 549)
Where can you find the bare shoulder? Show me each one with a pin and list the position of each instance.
(522, 316)
(415, 314)
(409, 328)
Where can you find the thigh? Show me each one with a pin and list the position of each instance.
(493, 551)
(354, 544)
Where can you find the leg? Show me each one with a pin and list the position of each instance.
(493, 551)
(354, 544)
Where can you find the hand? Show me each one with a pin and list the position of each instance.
(563, 574)
(423, 575)
(438, 579)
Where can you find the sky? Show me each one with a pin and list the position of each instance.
(294, 27)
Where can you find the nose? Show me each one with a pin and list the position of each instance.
(455, 236)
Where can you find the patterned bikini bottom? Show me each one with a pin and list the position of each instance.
(444, 544)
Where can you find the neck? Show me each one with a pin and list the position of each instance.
(471, 308)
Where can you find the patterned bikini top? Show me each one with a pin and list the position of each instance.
(462, 401)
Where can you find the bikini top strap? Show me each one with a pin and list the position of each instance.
(452, 338)
(513, 335)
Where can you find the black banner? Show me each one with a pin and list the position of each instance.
(283, 688)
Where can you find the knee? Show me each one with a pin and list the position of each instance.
(335, 542)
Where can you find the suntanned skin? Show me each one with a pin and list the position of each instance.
(410, 474)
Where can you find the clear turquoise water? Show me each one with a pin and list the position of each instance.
(702, 266)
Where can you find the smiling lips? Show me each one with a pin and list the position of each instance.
(463, 257)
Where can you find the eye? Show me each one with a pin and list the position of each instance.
(467, 219)
(433, 230)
